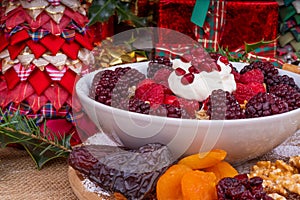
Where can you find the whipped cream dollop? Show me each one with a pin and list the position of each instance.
(204, 82)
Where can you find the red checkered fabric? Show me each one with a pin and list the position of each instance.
(23, 72)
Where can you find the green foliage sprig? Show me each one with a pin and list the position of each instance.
(102, 10)
(18, 129)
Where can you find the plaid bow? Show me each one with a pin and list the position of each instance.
(262, 50)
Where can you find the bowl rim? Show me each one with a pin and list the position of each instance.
(82, 80)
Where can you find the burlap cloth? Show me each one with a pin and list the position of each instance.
(20, 180)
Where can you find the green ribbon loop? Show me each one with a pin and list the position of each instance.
(199, 12)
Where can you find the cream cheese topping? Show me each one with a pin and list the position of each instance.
(204, 82)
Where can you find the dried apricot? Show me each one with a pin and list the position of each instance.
(222, 169)
(169, 184)
(204, 160)
(199, 185)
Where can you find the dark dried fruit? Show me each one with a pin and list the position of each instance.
(288, 94)
(133, 173)
(241, 187)
(223, 105)
(265, 104)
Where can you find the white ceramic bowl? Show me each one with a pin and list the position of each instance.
(243, 139)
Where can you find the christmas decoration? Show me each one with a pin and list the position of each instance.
(45, 47)
(227, 23)
(289, 30)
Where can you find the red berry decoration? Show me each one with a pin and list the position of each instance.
(193, 70)
(246, 91)
(254, 75)
(154, 95)
(224, 60)
(161, 75)
(187, 79)
(179, 71)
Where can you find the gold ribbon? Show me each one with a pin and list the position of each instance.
(56, 12)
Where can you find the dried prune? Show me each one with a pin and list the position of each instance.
(133, 173)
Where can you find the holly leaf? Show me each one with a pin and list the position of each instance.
(101, 10)
(125, 14)
(252, 46)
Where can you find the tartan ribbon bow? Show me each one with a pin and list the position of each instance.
(205, 10)
(262, 50)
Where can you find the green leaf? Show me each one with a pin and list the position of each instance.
(251, 46)
(101, 10)
(124, 13)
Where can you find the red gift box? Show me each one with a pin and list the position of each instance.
(240, 21)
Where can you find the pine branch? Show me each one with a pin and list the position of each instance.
(18, 129)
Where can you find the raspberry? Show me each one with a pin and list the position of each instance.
(143, 86)
(254, 75)
(267, 68)
(191, 106)
(265, 104)
(223, 105)
(159, 62)
(288, 94)
(161, 75)
(154, 94)
(246, 91)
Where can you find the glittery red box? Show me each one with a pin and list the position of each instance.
(245, 21)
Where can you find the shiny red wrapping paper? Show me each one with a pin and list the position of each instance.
(249, 21)
(245, 21)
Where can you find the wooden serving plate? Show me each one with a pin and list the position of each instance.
(76, 181)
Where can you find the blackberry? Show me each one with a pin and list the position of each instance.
(116, 82)
(157, 63)
(123, 88)
(267, 68)
(223, 105)
(288, 94)
(265, 104)
(135, 105)
(168, 110)
(281, 79)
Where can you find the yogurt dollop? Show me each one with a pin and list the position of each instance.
(204, 82)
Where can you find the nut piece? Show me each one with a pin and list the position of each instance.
(295, 162)
(280, 178)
